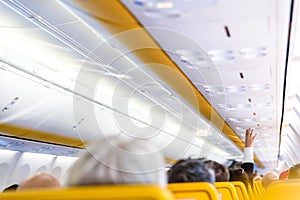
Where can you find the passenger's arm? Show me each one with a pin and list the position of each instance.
(248, 161)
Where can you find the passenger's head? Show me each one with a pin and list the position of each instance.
(268, 179)
(257, 178)
(11, 188)
(221, 172)
(115, 160)
(191, 170)
(239, 175)
(284, 175)
(294, 172)
(42, 180)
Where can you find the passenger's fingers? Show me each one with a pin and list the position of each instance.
(254, 136)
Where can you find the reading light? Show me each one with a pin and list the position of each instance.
(164, 4)
(10, 104)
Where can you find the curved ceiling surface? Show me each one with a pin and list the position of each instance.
(78, 79)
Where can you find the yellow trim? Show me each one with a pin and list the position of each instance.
(118, 20)
(27, 133)
(111, 192)
(41, 136)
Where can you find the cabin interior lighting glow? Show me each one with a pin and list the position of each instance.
(164, 4)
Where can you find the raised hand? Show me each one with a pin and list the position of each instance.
(250, 137)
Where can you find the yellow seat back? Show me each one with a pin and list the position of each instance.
(124, 192)
(256, 189)
(251, 193)
(260, 186)
(195, 191)
(227, 190)
(283, 189)
(241, 190)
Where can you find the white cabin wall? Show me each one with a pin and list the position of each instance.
(8, 160)
(61, 167)
(30, 164)
(17, 166)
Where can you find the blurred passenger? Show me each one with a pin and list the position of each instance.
(115, 160)
(239, 175)
(11, 188)
(268, 179)
(221, 172)
(294, 172)
(257, 178)
(284, 175)
(191, 170)
(38, 181)
(248, 161)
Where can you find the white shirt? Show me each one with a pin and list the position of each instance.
(248, 155)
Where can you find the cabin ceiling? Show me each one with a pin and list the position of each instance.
(65, 74)
(247, 44)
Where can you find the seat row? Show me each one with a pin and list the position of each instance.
(288, 189)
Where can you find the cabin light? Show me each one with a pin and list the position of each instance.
(190, 58)
(220, 52)
(202, 64)
(10, 104)
(233, 119)
(246, 105)
(208, 88)
(164, 5)
(221, 55)
(187, 52)
(285, 125)
(235, 89)
(201, 133)
(249, 120)
(258, 87)
(256, 55)
(226, 106)
(190, 67)
(253, 52)
(121, 76)
(223, 90)
(263, 119)
(262, 105)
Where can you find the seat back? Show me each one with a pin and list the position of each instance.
(128, 192)
(256, 189)
(260, 186)
(283, 189)
(195, 191)
(227, 190)
(241, 190)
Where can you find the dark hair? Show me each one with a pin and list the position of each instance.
(239, 175)
(294, 172)
(221, 172)
(191, 170)
(11, 188)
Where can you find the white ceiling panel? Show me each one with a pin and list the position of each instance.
(236, 54)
